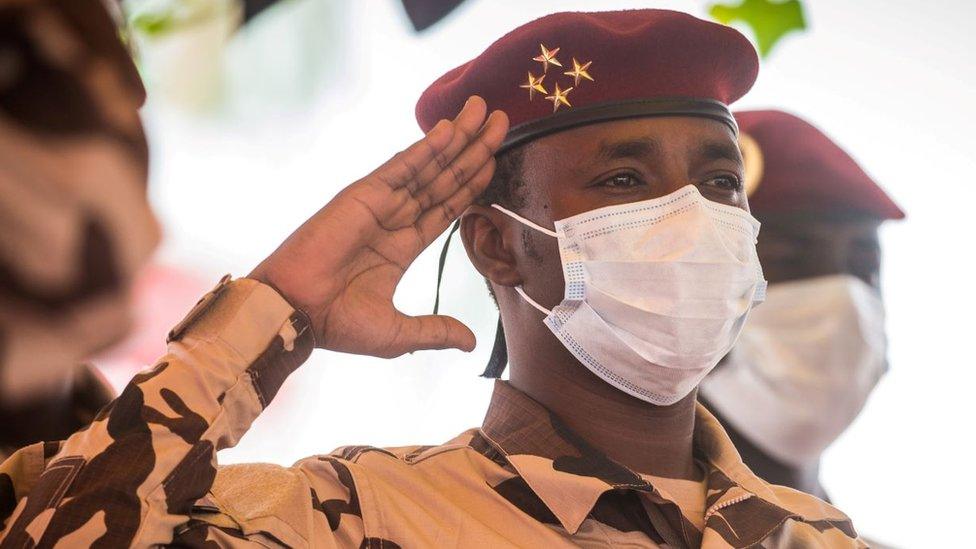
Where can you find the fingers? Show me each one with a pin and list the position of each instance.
(436, 220)
(418, 164)
(466, 126)
(454, 176)
(456, 188)
(431, 332)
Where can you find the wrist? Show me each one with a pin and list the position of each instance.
(261, 276)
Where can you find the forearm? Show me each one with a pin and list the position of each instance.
(132, 476)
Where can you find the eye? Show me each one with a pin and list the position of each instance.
(726, 182)
(622, 181)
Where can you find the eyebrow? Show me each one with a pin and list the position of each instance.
(642, 147)
(719, 150)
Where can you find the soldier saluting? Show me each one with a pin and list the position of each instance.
(607, 212)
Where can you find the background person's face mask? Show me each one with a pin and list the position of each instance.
(803, 367)
(656, 291)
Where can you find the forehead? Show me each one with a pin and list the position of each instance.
(668, 134)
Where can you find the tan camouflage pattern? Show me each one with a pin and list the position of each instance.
(132, 476)
(145, 472)
(75, 224)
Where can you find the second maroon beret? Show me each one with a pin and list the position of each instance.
(805, 172)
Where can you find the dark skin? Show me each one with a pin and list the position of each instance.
(797, 247)
(565, 174)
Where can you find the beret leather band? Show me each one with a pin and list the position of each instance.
(617, 110)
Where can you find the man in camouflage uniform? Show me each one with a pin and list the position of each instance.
(562, 459)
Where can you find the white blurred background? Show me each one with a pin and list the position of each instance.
(313, 94)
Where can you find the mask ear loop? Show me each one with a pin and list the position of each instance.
(499, 352)
(526, 222)
(542, 230)
(531, 301)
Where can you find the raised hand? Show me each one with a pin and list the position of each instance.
(343, 265)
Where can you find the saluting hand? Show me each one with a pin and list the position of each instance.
(343, 265)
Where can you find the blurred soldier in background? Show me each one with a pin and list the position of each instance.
(810, 356)
(75, 224)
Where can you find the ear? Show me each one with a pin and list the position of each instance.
(489, 241)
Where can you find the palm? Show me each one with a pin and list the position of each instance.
(343, 265)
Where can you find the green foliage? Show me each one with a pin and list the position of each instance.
(153, 23)
(155, 18)
(769, 20)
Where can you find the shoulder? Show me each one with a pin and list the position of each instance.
(815, 517)
(804, 504)
(368, 478)
(407, 455)
(333, 488)
(318, 497)
(253, 500)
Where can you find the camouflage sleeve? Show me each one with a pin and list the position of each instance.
(132, 476)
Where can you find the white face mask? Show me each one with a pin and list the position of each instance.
(803, 367)
(656, 291)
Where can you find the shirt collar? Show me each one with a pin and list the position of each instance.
(561, 468)
(569, 475)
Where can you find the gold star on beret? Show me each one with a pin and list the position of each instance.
(558, 98)
(547, 58)
(534, 85)
(579, 71)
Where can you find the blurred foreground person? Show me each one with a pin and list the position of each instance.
(74, 221)
(597, 439)
(808, 359)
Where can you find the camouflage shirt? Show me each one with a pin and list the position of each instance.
(144, 472)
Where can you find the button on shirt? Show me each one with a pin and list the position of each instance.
(145, 471)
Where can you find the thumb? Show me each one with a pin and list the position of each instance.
(432, 332)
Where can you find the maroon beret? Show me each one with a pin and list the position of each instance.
(569, 69)
(803, 171)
